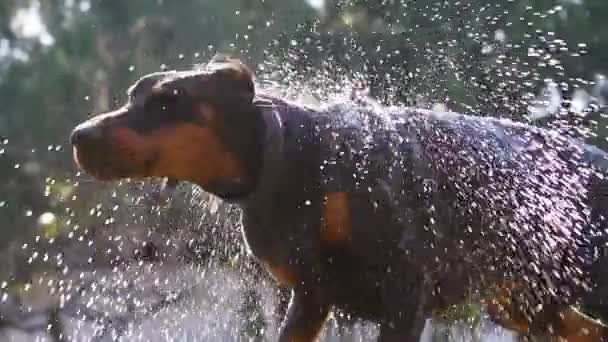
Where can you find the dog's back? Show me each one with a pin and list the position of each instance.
(468, 200)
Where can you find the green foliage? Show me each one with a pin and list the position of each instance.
(469, 312)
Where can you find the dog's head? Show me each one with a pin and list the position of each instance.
(199, 126)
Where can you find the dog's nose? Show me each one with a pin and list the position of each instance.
(86, 134)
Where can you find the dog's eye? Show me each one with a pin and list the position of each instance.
(161, 102)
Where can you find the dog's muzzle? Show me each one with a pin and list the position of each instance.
(86, 135)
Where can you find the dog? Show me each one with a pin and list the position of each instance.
(388, 214)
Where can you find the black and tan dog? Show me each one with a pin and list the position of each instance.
(388, 214)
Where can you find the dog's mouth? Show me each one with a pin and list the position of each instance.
(107, 164)
(105, 168)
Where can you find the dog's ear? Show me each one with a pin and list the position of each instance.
(138, 90)
(220, 58)
(232, 78)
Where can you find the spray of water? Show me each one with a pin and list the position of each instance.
(138, 264)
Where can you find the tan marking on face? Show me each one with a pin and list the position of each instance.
(184, 151)
(194, 153)
(282, 274)
(336, 225)
(129, 145)
(121, 155)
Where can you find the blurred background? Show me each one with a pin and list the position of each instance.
(82, 260)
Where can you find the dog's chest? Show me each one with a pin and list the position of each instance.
(284, 239)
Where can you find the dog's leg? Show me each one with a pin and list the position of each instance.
(305, 317)
(505, 313)
(405, 318)
(563, 323)
(595, 302)
(574, 326)
(401, 331)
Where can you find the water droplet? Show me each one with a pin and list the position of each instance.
(46, 219)
(131, 68)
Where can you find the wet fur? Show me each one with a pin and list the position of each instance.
(302, 232)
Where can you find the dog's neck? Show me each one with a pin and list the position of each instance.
(272, 155)
(282, 130)
(262, 157)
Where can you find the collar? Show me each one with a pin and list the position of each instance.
(273, 157)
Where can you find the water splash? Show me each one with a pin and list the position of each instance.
(117, 254)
